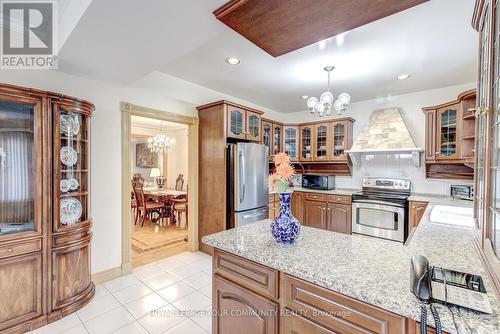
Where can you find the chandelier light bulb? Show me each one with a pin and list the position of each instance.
(326, 98)
(311, 103)
(344, 98)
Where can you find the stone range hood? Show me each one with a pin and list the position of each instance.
(385, 133)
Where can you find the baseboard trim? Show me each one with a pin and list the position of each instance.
(107, 275)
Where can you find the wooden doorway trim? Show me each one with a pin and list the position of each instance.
(128, 110)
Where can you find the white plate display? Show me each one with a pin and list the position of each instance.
(70, 211)
(68, 156)
(69, 125)
(73, 184)
(64, 186)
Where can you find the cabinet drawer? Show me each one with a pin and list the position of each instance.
(246, 273)
(17, 248)
(339, 313)
(339, 199)
(316, 197)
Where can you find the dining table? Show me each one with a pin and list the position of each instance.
(166, 196)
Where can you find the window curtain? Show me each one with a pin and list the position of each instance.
(16, 177)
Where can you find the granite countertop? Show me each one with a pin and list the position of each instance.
(439, 199)
(372, 270)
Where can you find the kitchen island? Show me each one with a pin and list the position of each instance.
(336, 283)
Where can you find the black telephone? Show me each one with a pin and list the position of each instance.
(447, 286)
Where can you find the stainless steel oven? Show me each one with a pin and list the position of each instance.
(381, 209)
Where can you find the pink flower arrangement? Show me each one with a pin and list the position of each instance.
(284, 171)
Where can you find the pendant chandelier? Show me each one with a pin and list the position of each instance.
(326, 102)
(161, 143)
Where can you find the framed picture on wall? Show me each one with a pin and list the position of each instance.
(144, 158)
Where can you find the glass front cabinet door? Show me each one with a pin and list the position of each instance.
(306, 143)
(291, 141)
(71, 167)
(321, 142)
(20, 168)
(236, 122)
(447, 132)
(338, 140)
(253, 125)
(277, 138)
(267, 129)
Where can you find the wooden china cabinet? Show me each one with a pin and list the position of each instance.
(486, 20)
(45, 224)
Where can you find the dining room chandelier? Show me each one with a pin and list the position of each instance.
(326, 102)
(161, 143)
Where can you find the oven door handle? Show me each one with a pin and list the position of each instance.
(377, 203)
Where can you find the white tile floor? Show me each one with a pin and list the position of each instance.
(171, 296)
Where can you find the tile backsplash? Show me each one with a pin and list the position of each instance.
(396, 166)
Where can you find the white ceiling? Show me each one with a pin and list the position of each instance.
(122, 41)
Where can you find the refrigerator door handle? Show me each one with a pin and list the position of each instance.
(240, 176)
(244, 174)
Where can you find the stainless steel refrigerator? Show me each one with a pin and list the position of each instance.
(248, 192)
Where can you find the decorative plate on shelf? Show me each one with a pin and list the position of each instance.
(73, 184)
(70, 211)
(68, 156)
(69, 125)
(64, 186)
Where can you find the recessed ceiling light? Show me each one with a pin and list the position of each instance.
(304, 97)
(232, 61)
(403, 76)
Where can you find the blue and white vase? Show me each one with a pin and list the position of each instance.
(285, 228)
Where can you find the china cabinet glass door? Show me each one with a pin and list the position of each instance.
(20, 167)
(321, 142)
(306, 143)
(447, 128)
(493, 231)
(277, 139)
(482, 102)
(338, 140)
(291, 142)
(71, 168)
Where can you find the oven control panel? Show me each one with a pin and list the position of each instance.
(387, 183)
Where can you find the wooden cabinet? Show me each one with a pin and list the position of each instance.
(267, 130)
(21, 289)
(315, 214)
(272, 136)
(274, 206)
(243, 123)
(44, 208)
(326, 141)
(449, 138)
(258, 315)
(251, 298)
(291, 141)
(298, 206)
(416, 213)
(329, 212)
(339, 218)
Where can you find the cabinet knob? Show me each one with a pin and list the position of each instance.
(9, 250)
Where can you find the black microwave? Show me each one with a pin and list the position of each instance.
(320, 182)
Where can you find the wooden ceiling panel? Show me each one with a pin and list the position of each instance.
(282, 26)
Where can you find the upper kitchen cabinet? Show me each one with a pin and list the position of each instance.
(321, 144)
(277, 138)
(341, 139)
(272, 136)
(242, 122)
(306, 142)
(449, 138)
(291, 141)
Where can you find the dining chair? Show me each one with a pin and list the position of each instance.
(133, 204)
(143, 206)
(180, 205)
(179, 183)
